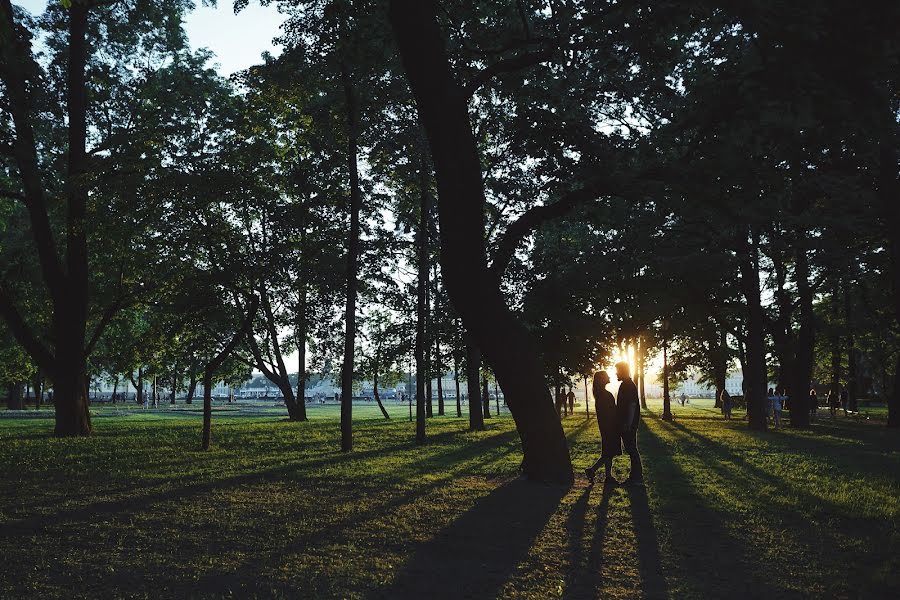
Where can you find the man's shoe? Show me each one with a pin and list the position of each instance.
(589, 473)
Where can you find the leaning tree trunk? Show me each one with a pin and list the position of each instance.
(473, 372)
(473, 290)
(352, 262)
(378, 398)
(280, 376)
(642, 356)
(755, 377)
(214, 365)
(439, 367)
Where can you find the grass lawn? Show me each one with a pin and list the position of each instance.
(275, 510)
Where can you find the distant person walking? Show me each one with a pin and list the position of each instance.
(570, 398)
(628, 409)
(770, 404)
(727, 404)
(813, 404)
(607, 420)
(833, 400)
(684, 398)
(777, 403)
(560, 403)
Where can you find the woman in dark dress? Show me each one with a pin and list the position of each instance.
(611, 444)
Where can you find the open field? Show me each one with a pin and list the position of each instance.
(276, 510)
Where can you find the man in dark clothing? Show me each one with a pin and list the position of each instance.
(628, 410)
(570, 399)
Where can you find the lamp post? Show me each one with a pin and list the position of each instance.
(667, 406)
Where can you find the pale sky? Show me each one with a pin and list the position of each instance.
(237, 40)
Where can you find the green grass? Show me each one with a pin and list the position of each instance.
(275, 510)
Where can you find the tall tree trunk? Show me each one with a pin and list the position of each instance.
(805, 344)
(889, 193)
(39, 389)
(115, 388)
(352, 261)
(456, 381)
(192, 388)
(587, 402)
(440, 377)
(755, 377)
(473, 290)
(486, 397)
(720, 368)
(473, 373)
(301, 356)
(429, 322)
(642, 359)
(14, 398)
(852, 389)
(422, 303)
(153, 393)
(174, 388)
(66, 280)
(497, 397)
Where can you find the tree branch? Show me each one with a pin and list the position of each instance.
(505, 65)
(536, 216)
(23, 334)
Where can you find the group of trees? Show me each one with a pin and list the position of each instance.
(535, 185)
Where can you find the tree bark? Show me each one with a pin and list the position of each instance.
(474, 292)
(721, 366)
(889, 193)
(352, 261)
(66, 281)
(473, 373)
(192, 389)
(378, 398)
(456, 381)
(852, 389)
(422, 304)
(642, 357)
(14, 398)
(755, 377)
(486, 397)
(301, 356)
(280, 377)
(805, 345)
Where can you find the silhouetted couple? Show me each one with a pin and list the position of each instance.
(618, 419)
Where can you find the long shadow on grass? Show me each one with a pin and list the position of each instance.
(584, 576)
(166, 492)
(653, 583)
(476, 554)
(708, 558)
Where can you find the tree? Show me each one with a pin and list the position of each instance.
(472, 290)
